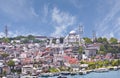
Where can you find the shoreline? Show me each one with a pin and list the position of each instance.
(81, 72)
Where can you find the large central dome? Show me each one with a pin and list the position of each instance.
(72, 32)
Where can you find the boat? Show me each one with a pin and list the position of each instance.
(61, 76)
(102, 70)
(28, 76)
(65, 73)
(115, 68)
(82, 72)
(73, 73)
(46, 74)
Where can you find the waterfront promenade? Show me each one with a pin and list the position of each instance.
(110, 74)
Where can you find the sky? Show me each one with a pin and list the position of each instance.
(58, 17)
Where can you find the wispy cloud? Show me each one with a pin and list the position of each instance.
(105, 27)
(45, 12)
(17, 10)
(2, 34)
(61, 21)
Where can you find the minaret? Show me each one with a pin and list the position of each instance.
(94, 36)
(6, 31)
(80, 34)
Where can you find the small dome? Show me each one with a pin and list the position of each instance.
(57, 41)
(72, 32)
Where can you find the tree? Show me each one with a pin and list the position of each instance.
(113, 40)
(80, 50)
(30, 37)
(105, 41)
(4, 55)
(102, 48)
(87, 40)
(100, 40)
(115, 62)
(11, 64)
(6, 40)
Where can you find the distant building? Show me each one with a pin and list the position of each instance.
(41, 38)
(89, 52)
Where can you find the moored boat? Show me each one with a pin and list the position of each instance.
(46, 74)
(65, 73)
(102, 70)
(82, 72)
(61, 76)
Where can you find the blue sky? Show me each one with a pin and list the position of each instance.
(59, 17)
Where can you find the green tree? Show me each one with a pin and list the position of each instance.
(87, 40)
(115, 62)
(80, 50)
(102, 48)
(11, 64)
(4, 55)
(105, 41)
(91, 65)
(31, 37)
(100, 40)
(6, 40)
(113, 40)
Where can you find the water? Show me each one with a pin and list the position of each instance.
(110, 74)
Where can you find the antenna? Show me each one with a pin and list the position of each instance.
(6, 31)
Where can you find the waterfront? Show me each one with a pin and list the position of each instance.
(110, 74)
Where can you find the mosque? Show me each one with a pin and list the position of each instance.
(71, 38)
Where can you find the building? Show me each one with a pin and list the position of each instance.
(41, 38)
(71, 38)
(90, 52)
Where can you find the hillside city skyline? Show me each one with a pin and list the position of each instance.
(51, 18)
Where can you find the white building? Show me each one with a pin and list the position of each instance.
(71, 38)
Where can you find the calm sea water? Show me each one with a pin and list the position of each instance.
(110, 74)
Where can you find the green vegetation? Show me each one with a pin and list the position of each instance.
(109, 48)
(87, 40)
(100, 64)
(11, 64)
(80, 50)
(4, 55)
(102, 40)
(113, 40)
(53, 70)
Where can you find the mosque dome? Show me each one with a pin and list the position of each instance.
(72, 32)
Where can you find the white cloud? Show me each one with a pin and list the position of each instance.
(2, 34)
(45, 12)
(62, 21)
(17, 10)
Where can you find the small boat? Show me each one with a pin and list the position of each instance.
(115, 68)
(82, 72)
(46, 74)
(28, 76)
(61, 77)
(102, 70)
(73, 73)
(65, 73)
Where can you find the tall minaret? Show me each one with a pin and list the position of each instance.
(80, 34)
(94, 36)
(6, 31)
